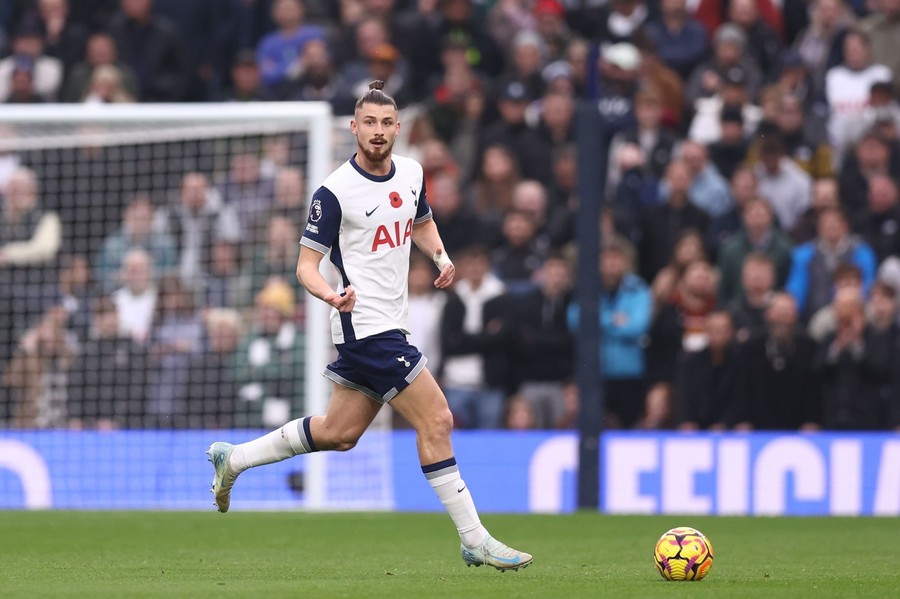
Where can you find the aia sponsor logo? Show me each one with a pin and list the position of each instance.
(390, 237)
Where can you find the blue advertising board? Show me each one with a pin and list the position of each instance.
(642, 473)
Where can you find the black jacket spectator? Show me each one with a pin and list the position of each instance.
(108, 382)
(660, 228)
(157, 56)
(855, 382)
(543, 347)
(707, 392)
(781, 391)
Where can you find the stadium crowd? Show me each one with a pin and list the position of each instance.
(750, 258)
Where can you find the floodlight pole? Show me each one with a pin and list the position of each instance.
(592, 145)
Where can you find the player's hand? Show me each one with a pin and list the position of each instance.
(343, 302)
(445, 279)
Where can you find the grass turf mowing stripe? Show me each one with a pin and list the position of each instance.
(178, 554)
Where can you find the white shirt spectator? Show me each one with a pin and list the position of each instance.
(48, 74)
(789, 191)
(847, 92)
(135, 312)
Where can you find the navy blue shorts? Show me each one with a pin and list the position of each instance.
(380, 366)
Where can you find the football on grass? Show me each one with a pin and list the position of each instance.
(683, 553)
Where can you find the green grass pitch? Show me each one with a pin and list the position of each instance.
(363, 555)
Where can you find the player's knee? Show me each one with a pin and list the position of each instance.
(440, 424)
(347, 440)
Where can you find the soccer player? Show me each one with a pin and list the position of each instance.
(366, 213)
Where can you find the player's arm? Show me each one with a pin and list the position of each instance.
(311, 278)
(426, 237)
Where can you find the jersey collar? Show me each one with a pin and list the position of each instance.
(370, 176)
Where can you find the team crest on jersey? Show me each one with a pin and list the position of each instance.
(396, 200)
(315, 210)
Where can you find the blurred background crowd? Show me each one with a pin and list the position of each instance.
(750, 222)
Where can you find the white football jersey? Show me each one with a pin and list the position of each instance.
(366, 222)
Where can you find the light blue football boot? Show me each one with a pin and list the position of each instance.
(494, 553)
(224, 479)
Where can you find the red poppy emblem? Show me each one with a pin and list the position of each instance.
(396, 200)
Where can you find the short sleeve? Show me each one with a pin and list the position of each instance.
(423, 210)
(324, 222)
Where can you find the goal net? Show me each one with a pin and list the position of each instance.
(148, 306)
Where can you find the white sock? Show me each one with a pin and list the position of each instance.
(444, 478)
(291, 439)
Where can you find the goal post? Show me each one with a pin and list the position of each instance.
(149, 148)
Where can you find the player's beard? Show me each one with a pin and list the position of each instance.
(377, 154)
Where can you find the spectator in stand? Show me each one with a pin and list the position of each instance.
(732, 94)
(107, 87)
(825, 195)
(759, 234)
(279, 53)
(563, 197)
(709, 383)
(456, 98)
(625, 312)
(136, 299)
(278, 255)
(679, 325)
(621, 21)
(709, 190)
(101, 51)
(519, 256)
(317, 80)
(107, 384)
(512, 131)
(783, 184)
(781, 387)
(762, 40)
(655, 140)
(491, 192)
(270, 376)
(821, 43)
(743, 191)
(525, 59)
(663, 223)
(289, 194)
(881, 313)
(824, 321)
(814, 263)
(530, 197)
(194, 223)
(712, 13)
(430, 29)
(882, 27)
(21, 87)
(549, 16)
(46, 71)
(613, 84)
(137, 232)
(757, 289)
(246, 79)
(63, 38)
(210, 392)
(730, 151)
(679, 38)
(222, 284)
(150, 46)
(557, 119)
(871, 157)
(247, 191)
(175, 339)
(879, 225)
(729, 56)
(476, 333)
(459, 226)
(30, 238)
(804, 142)
(382, 63)
(37, 375)
(855, 370)
(75, 293)
(544, 350)
(847, 87)
(687, 250)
